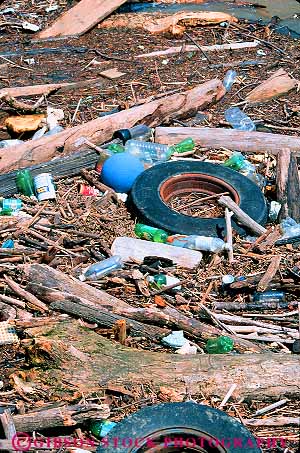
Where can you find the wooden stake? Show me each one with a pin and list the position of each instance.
(270, 273)
(228, 215)
(241, 215)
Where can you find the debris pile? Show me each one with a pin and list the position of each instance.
(149, 221)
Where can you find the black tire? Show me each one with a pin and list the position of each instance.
(150, 208)
(196, 425)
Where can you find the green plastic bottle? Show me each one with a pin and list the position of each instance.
(184, 146)
(220, 345)
(235, 162)
(150, 233)
(24, 182)
(116, 148)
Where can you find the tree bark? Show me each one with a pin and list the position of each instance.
(60, 416)
(249, 142)
(65, 293)
(288, 185)
(101, 130)
(259, 376)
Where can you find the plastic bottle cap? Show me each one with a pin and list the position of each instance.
(228, 279)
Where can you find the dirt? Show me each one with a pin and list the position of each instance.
(144, 78)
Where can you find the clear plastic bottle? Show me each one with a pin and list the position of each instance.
(8, 143)
(239, 120)
(9, 205)
(290, 228)
(150, 153)
(162, 280)
(220, 345)
(229, 79)
(193, 242)
(105, 267)
(150, 233)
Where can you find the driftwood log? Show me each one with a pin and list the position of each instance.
(279, 83)
(101, 130)
(248, 142)
(59, 416)
(77, 298)
(175, 24)
(288, 185)
(259, 376)
(81, 18)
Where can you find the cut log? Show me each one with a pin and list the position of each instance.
(101, 130)
(192, 48)
(175, 24)
(258, 376)
(249, 142)
(60, 416)
(279, 83)
(81, 18)
(288, 185)
(80, 299)
(131, 248)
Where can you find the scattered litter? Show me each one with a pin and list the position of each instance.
(8, 334)
(187, 349)
(175, 339)
(51, 8)
(30, 27)
(103, 268)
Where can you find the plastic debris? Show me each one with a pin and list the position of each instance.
(8, 143)
(193, 242)
(150, 233)
(8, 334)
(30, 27)
(103, 268)
(274, 210)
(175, 339)
(8, 244)
(187, 349)
(239, 120)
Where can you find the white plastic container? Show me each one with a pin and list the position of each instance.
(44, 187)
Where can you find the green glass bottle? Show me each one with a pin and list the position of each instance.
(100, 428)
(24, 182)
(150, 233)
(184, 146)
(220, 345)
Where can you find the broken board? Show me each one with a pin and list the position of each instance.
(81, 18)
(131, 248)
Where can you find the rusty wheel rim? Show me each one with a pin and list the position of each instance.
(187, 183)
